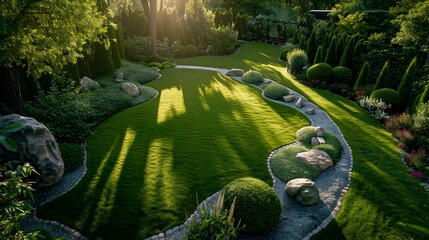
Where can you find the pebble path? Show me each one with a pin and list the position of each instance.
(297, 221)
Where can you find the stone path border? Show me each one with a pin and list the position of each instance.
(334, 203)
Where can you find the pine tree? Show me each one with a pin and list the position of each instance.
(382, 78)
(311, 47)
(319, 55)
(330, 53)
(363, 77)
(404, 89)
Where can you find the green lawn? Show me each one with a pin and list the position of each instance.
(384, 201)
(147, 163)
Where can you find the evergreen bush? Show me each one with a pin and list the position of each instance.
(382, 78)
(425, 95)
(252, 77)
(322, 72)
(276, 92)
(363, 77)
(406, 85)
(330, 53)
(342, 75)
(388, 96)
(311, 47)
(191, 50)
(257, 205)
(301, 44)
(347, 57)
(102, 64)
(319, 55)
(297, 59)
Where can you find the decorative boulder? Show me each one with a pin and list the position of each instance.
(131, 89)
(310, 111)
(314, 141)
(320, 132)
(303, 190)
(36, 145)
(235, 72)
(289, 98)
(88, 84)
(299, 103)
(316, 159)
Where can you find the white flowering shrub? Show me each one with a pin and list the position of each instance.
(375, 107)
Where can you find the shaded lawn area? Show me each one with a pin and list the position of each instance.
(147, 164)
(384, 201)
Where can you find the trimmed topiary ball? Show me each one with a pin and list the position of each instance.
(252, 77)
(257, 205)
(388, 96)
(191, 50)
(342, 75)
(276, 92)
(283, 54)
(322, 72)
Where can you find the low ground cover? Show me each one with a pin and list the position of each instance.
(147, 164)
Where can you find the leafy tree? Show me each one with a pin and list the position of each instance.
(382, 78)
(363, 77)
(414, 31)
(198, 21)
(42, 37)
(406, 85)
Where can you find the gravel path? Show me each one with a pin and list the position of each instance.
(297, 221)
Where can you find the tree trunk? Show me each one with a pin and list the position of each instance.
(153, 28)
(10, 81)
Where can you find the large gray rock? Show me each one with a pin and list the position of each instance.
(235, 72)
(320, 131)
(119, 76)
(36, 145)
(88, 84)
(304, 190)
(316, 159)
(299, 103)
(289, 98)
(131, 89)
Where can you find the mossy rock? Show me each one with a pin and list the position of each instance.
(322, 72)
(257, 205)
(276, 92)
(332, 147)
(252, 77)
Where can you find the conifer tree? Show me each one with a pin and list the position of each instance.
(330, 53)
(382, 78)
(425, 96)
(325, 45)
(404, 89)
(319, 55)
(102, 64)
(363, 77)
(347, 57)
(302, 42)
(339, 49)
(311, 47)
(116, 57)
(295, 37)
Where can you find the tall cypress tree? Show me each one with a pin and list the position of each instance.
(302, 43)
(363, 77)
(311, 46)
(120, 41)
(101, 64)
(330, 53)
(339, 49)
(382, 78)
(295, 37)
(325, 45)
(425, 96)
(116, 57)
(347, 57)
(319, 55)
(404, 89)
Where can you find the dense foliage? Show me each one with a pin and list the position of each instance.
(252, 77)
(297, 59)
(276, 92)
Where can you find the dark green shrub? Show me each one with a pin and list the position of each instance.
(406, 86)
(257, 205)
(276, 92)
(342, 75)
(283, 54)
(72, 155)
(425, 95)
(191, 50)
(223, 40)
(363, 77)
(415, 103)
(301, 44)
(346, 59)
(388, 96)
(166, 65)
(102, 64)
(320, 71)
(138, 73)
(252, 77)
(180, 51)
(382, 78)
(297, 60)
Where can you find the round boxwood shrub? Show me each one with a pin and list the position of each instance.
(283, 54)
(252, 77)
(297, 59)
(155, 64)
(257, 205)
(191, 50)
(276, 92)
(342, 75)
(180, 50)
(388, 96)
(322, 72)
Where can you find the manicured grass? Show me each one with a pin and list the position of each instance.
(384, 201)
(147, 164)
